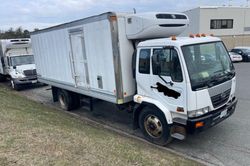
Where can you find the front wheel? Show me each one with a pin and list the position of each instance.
(2, 78)
(14, 85)
(154, 126)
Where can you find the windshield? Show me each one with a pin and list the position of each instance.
(233, 53)
(22, 60)
(208, 64)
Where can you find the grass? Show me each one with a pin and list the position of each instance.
(34, 134)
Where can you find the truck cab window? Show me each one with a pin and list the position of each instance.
(169, 64)
(144, 61)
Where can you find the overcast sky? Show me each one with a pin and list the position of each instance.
(32, 14)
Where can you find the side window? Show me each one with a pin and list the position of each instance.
(8, 59)
(164, 62)
(168, 64)
(239, 52)
(144, 61)
(176, 70)
(134, 63)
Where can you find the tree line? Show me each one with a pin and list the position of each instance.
(15, 33)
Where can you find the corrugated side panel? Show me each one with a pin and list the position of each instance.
(100, 55)
(52, 55)
(126, 53)
(51, 51)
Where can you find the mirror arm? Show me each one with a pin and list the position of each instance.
(170, 82)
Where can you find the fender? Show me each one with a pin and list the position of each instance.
(143, 100)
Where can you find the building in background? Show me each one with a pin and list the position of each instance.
(231, 24)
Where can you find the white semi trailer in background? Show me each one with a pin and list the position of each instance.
(172, 85)
(17, 62)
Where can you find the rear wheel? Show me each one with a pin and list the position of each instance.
(154, 126)
(68, 100)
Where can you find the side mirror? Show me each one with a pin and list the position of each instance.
(14, 67)
(240, 52)
(157, 65)
(2, 61)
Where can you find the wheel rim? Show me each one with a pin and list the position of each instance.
(153, 126)
(62, 101)
(12, 84)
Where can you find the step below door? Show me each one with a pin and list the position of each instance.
(79, 59)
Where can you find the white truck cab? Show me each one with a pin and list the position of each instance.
(17, 62)
(190, 80)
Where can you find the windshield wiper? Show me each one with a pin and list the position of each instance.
(219, 71)
(230, 74)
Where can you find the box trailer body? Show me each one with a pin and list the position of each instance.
(93, 56)
(17, 62)
(173, 85)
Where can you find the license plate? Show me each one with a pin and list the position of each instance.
(33, 82)
(223, 113)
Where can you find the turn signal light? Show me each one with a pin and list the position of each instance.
(199, 124)
(180, 109)
(113, 18)
(139, 99)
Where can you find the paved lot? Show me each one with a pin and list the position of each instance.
(228, 143)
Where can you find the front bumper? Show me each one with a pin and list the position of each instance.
(26, 80)
(237, 59)
(211, 118)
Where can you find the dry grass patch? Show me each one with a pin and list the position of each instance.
(33, 134)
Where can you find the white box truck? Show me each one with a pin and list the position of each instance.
(17, 62)
(171, 85)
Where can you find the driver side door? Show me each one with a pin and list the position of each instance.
(167, 81)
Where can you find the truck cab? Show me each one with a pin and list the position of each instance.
(184, 85)
(17, 61)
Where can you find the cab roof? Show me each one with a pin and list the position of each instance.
(180, 41)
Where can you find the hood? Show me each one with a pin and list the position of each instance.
(26, 67)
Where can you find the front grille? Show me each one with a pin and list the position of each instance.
(30, 72)
(220, 99)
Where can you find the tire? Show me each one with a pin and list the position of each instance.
(2, 78)
(14, 85)
(76, 100)
(154, 126)
(68, 100)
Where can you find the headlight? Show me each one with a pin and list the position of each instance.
(17, 74)
(199, 112)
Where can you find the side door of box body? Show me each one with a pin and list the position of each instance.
(79, 61)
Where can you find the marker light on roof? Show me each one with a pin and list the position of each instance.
(198, 35)
(203, 35)
(191, 36)
(173, 38)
